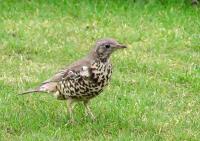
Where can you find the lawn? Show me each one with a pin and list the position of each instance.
(154, 93)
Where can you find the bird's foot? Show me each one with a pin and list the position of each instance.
(93, 118)
(70, 122)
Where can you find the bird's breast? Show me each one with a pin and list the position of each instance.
(83, 86)
(101, 73)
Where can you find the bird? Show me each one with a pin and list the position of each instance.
(84, 79)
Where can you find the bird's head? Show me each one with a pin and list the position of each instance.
(105, 47)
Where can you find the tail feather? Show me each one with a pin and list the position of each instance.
(44, 88)
(30, 92)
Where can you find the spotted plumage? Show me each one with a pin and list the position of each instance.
(87, 83)
(84, 79)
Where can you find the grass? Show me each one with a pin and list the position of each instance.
(154, 92)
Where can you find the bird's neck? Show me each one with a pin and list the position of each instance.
(98, 57)
(103, 60)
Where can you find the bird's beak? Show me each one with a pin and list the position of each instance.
(119, 46)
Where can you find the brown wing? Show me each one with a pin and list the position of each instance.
(76, 67)
(51, 84)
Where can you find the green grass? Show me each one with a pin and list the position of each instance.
(155, 89)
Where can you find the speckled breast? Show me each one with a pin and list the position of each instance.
(81, 87)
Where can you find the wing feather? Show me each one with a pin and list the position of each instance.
(64, 73)
(50, 85)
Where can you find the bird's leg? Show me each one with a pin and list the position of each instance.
(88, 110)
(69, 110)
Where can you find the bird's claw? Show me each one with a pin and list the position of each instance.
(70, 122)
(93, 118)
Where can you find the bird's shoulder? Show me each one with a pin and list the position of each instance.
(81, 67)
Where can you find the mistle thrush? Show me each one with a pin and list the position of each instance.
(84, 79)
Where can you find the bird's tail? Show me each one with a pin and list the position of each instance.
(30, 92)
(44, 88)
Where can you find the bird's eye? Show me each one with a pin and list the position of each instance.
(107, 46)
